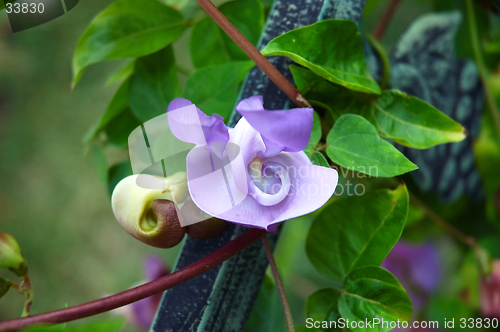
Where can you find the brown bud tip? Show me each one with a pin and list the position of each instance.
(161, 225)
(207, 228)
(10, 255)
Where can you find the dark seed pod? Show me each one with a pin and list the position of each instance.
(206, 229)
(200, 225)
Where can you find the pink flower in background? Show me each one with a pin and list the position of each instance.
(490, 292)
(142, 313)
(256, 173)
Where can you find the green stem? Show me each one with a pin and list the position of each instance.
(483, 72)
(384, 59)
(279, 285)
(25, 288)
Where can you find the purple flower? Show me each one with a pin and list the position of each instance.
(256, 173)
(418, 269)
(142, 312)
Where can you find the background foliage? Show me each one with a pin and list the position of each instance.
(57, 207)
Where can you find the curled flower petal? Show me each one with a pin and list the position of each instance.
(286, 130)
(191, 125)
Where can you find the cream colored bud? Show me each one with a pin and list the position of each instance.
(150, 215)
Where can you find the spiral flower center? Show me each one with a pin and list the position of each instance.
(270, 182)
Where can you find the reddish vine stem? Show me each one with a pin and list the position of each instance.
(254, 54)
(382, 24)
(140, 292)
(279, 284)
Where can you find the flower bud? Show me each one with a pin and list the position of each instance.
(4, 286)
(10, 255)
(150, 215)
(205, 229)
(490, 292)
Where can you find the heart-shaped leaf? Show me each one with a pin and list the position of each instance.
(323, 305)
(407, 120)
(339, 60)
(357, 231)
(353, 143)
(372, 295)
(124, 30)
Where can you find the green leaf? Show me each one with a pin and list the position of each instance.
(118, 104)
(121, 74)
(407, 120)
(357, 231)
(108, 325)
(318, 159)
(209, 45)
(267, 313)
(248, 17)
(353, 143)
(332, 49)
(215, 89)
(323, 305)
(4, 286)
(2, 3)
(116, 173)
(154, 84)
(315, 134)
(11, 257)
(118, 129)
(126, 30)
(370, 293)
(206, 45)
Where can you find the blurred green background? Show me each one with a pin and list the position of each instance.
(51, 199)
